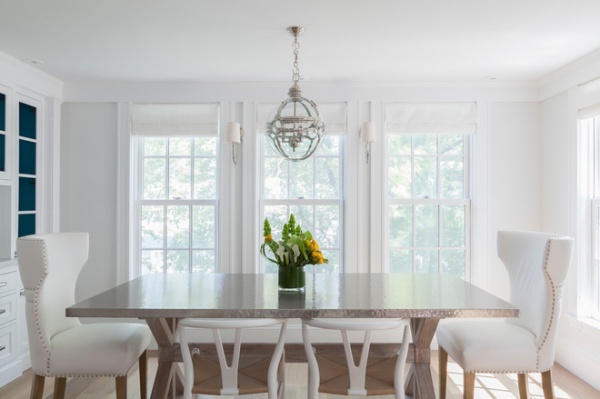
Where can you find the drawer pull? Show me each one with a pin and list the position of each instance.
(2, 311)
(3, 284)
(2, 347)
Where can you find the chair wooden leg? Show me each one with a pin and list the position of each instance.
(60, 386)
(37, 386)
(121, 386)
(469, 381)
(547, 384)
(143, 370)
(443, 371)
(523, 386)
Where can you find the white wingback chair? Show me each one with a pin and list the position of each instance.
(61, 346)
(537, 265)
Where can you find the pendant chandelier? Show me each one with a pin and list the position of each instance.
(296, 129)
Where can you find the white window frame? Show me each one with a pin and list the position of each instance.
(341, 202)
(466, 202)
(439, 118)
(206, 127)
(589, 183)
(138, 202)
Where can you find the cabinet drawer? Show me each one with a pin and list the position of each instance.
(8, 281)
(8, 307)
(8, 343)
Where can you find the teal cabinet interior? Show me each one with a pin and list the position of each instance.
(27, 169)
(2, 132)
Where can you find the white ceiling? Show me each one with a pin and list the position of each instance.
(345, 40)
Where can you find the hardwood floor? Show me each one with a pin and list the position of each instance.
(567, 386)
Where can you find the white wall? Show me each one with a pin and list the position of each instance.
(509, 117)
(515, 177)
(88, 188)
(578, 347)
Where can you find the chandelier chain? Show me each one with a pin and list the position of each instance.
(296, 70)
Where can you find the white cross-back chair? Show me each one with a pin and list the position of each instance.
(537, 265)
(232, 372)
(340, 374)
(61, 346)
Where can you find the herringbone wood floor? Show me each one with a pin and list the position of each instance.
(567, 386)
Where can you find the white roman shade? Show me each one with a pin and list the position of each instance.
(175, 119)
(589, 112)
(333, 114)
(453, 118)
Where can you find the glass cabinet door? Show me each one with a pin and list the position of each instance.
(28, 126)
(4, 135)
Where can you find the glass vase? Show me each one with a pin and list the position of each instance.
(291, 278)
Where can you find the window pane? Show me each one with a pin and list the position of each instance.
(426, 226)
(178, 261)
(205, 146)
(400, 226)
(330, 146)
(203, 261)
(327, 229)
(401, 261)
(327, 178)
(155, 146)
(451, 144)
(155, 174)
(276, 176)
(333, 266)
(178, 227)
(180, 146)
(424, 144)
(399, 144)
(425, 178)
(399, 175)
(152, 226)
(203, 227)
(453, 226)
(278, 215)
(205, 178)
(452, 178)
(453, 262)
(152, 261)
(305, 217)
(180, 178)
(302, 176)
(426, 261)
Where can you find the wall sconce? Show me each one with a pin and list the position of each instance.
(235, 135)
(368, 136)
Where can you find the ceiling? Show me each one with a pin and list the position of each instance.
(345, 40)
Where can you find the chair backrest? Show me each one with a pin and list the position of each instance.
(230, 370)
(357, 372)
(537, 265)
(49, 265)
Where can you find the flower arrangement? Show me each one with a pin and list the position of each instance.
(296, 248)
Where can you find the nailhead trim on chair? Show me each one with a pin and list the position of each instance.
(36, 291)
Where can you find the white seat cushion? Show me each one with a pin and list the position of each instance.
(98, 349)
(489, 346)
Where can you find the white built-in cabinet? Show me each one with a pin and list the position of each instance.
(20, 214)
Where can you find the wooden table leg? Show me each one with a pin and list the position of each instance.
(169, 378)
(419, 382)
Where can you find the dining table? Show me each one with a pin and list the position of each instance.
(424, 298)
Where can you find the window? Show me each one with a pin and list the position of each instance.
(312, 189)
(176, 201)
(427, 188)
(589, 137)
